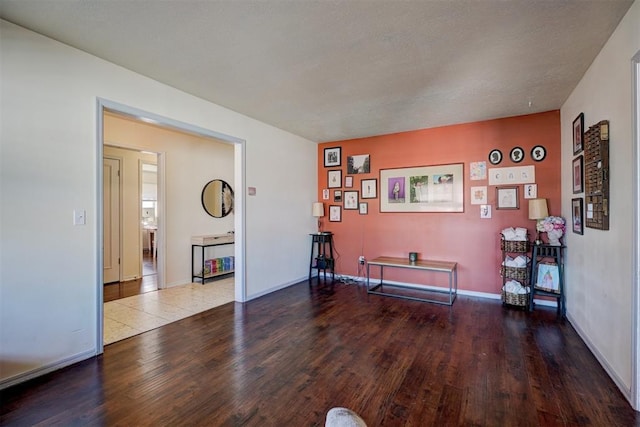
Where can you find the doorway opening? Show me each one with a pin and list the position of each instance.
(168, 249)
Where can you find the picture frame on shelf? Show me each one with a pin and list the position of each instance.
(335, 213)
(578, 175)
(350, 200)
(363, 208)
(577, 213)
(507, 198)
(332, 157)
(369, 188)
(548, 277)
(578, 133)
(334, 178)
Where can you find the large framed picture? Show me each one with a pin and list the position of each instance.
(578, 133)
(578, 182)
(332, 157)
(422, 189)
(507, 198)
(334, 178)
(548, 278)
(576, 215)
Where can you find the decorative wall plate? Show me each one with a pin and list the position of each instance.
(495, 156)
(538, 153)
(516, 154)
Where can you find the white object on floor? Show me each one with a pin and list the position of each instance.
(343, 417)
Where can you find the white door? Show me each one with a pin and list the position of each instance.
(111, 231)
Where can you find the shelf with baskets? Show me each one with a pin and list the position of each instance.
(514, 269)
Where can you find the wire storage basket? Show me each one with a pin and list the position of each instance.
(520, 300)
(514, 245)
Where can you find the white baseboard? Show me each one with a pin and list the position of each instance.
(624, 389)
(276, 288)
(25, 376)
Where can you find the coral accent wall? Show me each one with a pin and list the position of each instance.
(463, 237)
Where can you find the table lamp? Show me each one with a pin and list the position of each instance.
(538, 210)
(318, 211)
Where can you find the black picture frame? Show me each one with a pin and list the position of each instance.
(577, 215)
(538, 153)
(495, 156)
(350, 200)
(337, 196)
(578, 174)
(516, 154)
(332, 157)
(369, 188)
(578, 134)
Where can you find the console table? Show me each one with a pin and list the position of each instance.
(204, 242)
(449, 267)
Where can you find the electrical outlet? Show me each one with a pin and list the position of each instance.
(361, 259)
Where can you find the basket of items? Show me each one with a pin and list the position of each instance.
(513, 293)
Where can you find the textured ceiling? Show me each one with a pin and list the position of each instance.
(332, 70)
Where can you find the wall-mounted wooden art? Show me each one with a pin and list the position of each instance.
(596, 175)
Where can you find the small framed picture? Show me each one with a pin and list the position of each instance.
(578, 181)
(350, 200)
(364, 208)
(325, 194)
(538, 153)
(335, 213)
(358, 164)
(495, 156)
(531, 191)
(516, 155)
(576, 215)
(578, 133)
(369, 188)
(348, 182)
(507, 198)
(332, 157)
(548, 278)
(485, 211)
(335, 178)
(337, 196)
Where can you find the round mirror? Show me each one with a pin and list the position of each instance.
(217, 198)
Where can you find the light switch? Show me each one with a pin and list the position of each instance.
(251, 191)
(79, 217)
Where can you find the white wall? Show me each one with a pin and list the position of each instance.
(49, 157)
(599, 269)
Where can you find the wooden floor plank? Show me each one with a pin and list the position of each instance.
(288, 357)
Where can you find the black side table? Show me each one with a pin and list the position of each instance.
(322, 254)
(543, 254)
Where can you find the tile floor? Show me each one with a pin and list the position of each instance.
(126, 317)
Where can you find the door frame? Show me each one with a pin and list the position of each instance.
(635, 346)
(104, 105)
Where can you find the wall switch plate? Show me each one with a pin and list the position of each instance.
(79, 217)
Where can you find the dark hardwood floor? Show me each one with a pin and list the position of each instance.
(285, 359)
(147, 283)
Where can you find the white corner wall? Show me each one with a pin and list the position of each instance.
(48, 168)
(599, 264)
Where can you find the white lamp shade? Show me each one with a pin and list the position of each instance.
(538, 209)
(318, 209)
